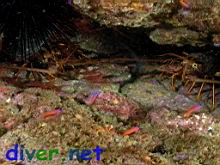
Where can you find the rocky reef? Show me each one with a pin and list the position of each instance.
(178, 22)
(90, 111)
(124, 83)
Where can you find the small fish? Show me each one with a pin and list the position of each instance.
(191, 110)
(53, 113)
(4, 89)
(9, 124)
(131, 131)
(184, 3)
(92, 97)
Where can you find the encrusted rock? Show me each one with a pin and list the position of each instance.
(200, 17)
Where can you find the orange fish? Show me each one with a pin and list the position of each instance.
(53, 113)
(10, 123)
(131, 131)
(5, 89)
(191, 110)
(184, 3)
(92, 97)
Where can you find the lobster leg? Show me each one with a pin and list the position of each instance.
(184, 73)
(200, 92)
(204, 81)
(191, 88)
(186, 83)
(213, 96)
(173, 81)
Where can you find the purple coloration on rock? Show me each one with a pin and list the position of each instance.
(199, 123)
(59, 109)
(153, 81)
(117, 104)
(69, 2)
(180, 156)
(92, 97)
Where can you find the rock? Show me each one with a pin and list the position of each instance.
(192, 20)
(216, 40)
(178, 36)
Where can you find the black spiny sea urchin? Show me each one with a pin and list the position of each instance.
(27, 25)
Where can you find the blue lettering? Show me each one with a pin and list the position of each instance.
(21, 152)
(14, 151)
(98, 151)
(71, 153)
(86, 153)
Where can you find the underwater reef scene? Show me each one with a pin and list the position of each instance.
(115, 82)
(145, 123)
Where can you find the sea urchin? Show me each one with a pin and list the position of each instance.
(27, 25)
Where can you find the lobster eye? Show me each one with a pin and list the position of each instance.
(194, 66)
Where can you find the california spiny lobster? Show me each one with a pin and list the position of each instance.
(185, 67)
(191, 72)
(189, 69)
